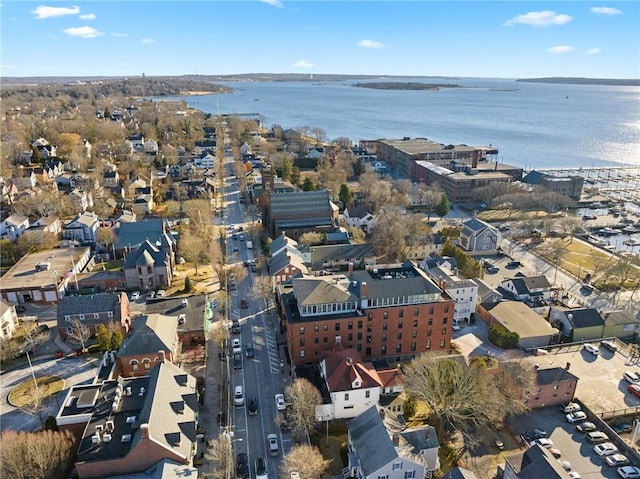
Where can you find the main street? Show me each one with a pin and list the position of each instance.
(261, 377)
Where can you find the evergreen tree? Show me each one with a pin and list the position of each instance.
(187, 284)
(308, 185)
(345, 196)
(443, 208)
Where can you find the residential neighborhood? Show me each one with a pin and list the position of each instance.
(212, 295)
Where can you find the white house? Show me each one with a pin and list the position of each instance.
(8, 319)
(381, 447)
(82, 199)
(204, 162)
(353, 385)
(13, 227)
(531, 289)
(151, 146)
(359, 217)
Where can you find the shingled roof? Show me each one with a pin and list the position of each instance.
(371, 441)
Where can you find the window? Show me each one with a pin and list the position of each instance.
(96, 315)
(337, 326)
(398, 348)
(359, 336)
(428, 346)
(444, 331)
(325, 327)
(446, 308)
(360, 324)
(316, 328)
(400, 325)
(444, 320)
(415, 323)
(430, 322)
(410, 475)
(350, 337)
(149, 269)
(416, 311)
(134, 364)
(396, 466)
(383, 350)
(301, 329)
(399, 336)
(350, 325)
(109, 314)
(301, 341)
(429, 332)
(81, 317)
(369, 338)
(302, 353)
(367, 352)
(385, 315)
(367, 394)
(401, 313)
(442, 344)
(369, 327)
(369, 317)
(413, 347)
(146, 363)
(414, 334)
(346, 396)
(384, 326)
(430, 309)
(384, 336)
(316, 340)
(358, 347)
(67, 317)
(325, 340)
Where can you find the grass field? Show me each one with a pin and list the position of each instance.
(22, 395)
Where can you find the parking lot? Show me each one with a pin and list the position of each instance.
(567, 439)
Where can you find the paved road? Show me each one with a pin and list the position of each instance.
(74, 371)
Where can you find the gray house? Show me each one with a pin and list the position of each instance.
(478, 237)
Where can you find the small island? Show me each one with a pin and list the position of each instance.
(406, 85)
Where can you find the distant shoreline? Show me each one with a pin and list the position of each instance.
(406, 86)
(583, 81)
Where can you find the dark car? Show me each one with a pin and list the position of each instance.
(622, 428)
(242, 466)
(586, 427)
(610, 345)
(253, 407)
(514, 264)
(534, 434)
(237, 361)
(235, 326)
(20, 308)
(244, 304)
(249, 351)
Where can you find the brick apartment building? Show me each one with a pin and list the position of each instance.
(386, 313)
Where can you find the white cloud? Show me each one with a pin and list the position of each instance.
(606, 11)
(83, 32)
(303, 64)
(561, 49)
(593, 51)
(148, 41)
(119, 35)
(88, 16)
(49, 12)
(544, 18)
(370, 44)
(274, 3)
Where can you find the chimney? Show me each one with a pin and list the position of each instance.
(161, 356)
(363, 290)
(396, 439)
(350, 268)
(144, 430)
(474, 159)
(568, 365)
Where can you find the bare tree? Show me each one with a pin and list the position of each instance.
(79, 333)
(34, 336)
(311, 238)
(302, 397)
(306, 460)
(460, 397)
(262, 288)
(25, 455)
(193, 248)
(106, 237)
(219, 451)
(219, 334)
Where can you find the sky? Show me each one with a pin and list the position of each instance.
(493, 39)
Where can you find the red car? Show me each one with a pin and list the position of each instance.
(634, 389)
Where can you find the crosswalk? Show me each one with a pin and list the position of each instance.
(272, 348)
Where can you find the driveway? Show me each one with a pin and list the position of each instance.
(472, 341)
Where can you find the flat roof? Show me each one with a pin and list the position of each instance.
(415, 146)
(23, 274)
(519, 318)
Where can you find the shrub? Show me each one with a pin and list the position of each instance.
(501, 337)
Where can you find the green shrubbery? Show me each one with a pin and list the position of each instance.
(503, 338)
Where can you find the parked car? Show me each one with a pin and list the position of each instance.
(238, 396)
(244, 304)
(237, 361)
(537, 434)
(237, 348)
(566, 465)
(542, 442)
(135, 296)
(610, 345)
(280, 402)
(160, 293)
(629, 472)
(591, 349)
(597, 437)
(252, 407)
(555, 452)
(622, 428)
(631, 376)
(577, 416)
(261, 468)
(250, 353)
(617, 460)
(575, 475)
(242, 466)
(586, 427)
(272, 445)
(514, 264)
(235, 326)
(634, 389)
(605, 449)
(151, 295)
(570, 407)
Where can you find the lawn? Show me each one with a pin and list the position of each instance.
(332, 446)
(22, 394)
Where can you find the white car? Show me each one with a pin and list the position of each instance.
(237, 347)
(542, 442)
(629, 472)
(160, 293)
(605, 449)
(575, 475)
(631, 376)
(135, 296)
(577, 416)
(591, 348)
(280, 403)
